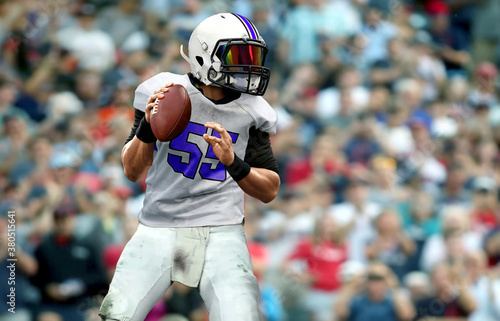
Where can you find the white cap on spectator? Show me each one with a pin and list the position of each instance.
(350, 270)
(416, 279)
(63, 104)
(485, 183)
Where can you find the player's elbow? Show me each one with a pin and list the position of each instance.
(272, 193)
(131, 176)
(267, 199)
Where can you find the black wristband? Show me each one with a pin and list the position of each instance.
(239, 169)
(144, 132)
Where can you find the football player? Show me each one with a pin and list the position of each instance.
(191, 223)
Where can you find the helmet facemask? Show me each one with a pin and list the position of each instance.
(240, 64)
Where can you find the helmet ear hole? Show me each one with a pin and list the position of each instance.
(199, 60)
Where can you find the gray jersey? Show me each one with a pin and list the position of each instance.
(187, 185)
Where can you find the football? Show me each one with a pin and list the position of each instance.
(171, 116)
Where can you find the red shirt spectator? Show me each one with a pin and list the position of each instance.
(323, 261)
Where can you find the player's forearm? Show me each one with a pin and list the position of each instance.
(261, 183)
(137, 158)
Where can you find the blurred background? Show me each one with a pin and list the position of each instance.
(388, 146)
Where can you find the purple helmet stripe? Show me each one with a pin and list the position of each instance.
(249, 25)
(254, 27)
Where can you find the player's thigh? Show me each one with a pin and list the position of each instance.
(142, 275)
(228, 287)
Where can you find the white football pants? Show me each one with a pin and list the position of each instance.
(213, 259)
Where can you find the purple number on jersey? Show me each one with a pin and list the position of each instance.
(219, 173)
(189, 168)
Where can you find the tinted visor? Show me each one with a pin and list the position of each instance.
(238, 57)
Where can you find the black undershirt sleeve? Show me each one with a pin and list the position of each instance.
(138, 115)
(259, 152)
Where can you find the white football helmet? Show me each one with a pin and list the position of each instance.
(227, 50)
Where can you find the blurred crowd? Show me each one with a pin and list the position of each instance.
(388, 146)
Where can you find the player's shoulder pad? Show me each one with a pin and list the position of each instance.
(148, 87)
(264, 115)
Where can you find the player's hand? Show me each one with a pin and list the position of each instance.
(223, 147)
(152, 102)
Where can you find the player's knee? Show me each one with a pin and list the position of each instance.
(105, 317)
(114, 307)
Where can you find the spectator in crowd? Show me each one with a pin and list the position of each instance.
(345, 117)
(421, 223)
(428, 167)
(396, 65)
(391, 246)
(351, 53)
(457, 239)
(93, 48)
(484, 287)
(70, 269)
(452, 43)
(377, 32)
(331, 100)
(88, 88)
(396, 137)
(357, 214)
(417, 284)
(443, 126)
(7, 96)
(307, 27)
(16, 274)
(362, 146)
(324, 254)
(385, 190)
(485, 214)
(379, 300)
(483, 92)
(13, 144)
(428, 66)
(40, 153)
(378, 102)
(454, 191)
(121, 21)
(451, 291)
